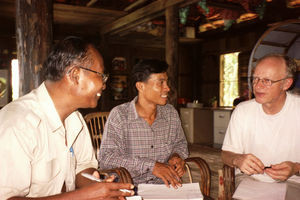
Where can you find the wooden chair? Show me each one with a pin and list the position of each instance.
(226, 182)
(95, 122)
(196, 166)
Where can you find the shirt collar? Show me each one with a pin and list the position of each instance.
(133, 115)
(72, 122)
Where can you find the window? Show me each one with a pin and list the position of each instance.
(15, 78)
(229, 89)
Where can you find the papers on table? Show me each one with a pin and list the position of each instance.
(253, 189)
(162, 192)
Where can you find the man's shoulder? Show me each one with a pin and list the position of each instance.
(21, 110)
(122, 108)
(247, 104)
(121, 112)
(294, 97)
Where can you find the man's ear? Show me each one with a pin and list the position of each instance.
(139, 86)
(288, 83)
(74, 75)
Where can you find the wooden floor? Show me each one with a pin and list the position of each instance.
(213, 157)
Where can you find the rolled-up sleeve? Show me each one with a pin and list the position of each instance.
(83, 149)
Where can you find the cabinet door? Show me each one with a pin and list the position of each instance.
(219, 134)
(221, 118)
(187, 119)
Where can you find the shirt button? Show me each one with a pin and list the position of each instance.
(151, 146)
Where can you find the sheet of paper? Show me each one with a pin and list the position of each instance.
(134, 198)
(162, 192)
(252, 189)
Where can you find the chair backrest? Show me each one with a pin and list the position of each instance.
(226, 182)
(198, 170)
(95, 122)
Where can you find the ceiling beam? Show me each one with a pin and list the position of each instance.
(152, 11)
(80, 15)
(140, 16)
(135, 4)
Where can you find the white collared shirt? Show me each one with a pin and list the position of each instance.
(35, 160)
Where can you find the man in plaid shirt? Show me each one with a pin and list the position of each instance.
(145, 135)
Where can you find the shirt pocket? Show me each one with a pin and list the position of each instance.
(45, 171)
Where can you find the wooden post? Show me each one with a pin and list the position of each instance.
(34, 39)
(172, 50)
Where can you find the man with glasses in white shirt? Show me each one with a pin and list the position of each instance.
(263, 136)
(45, 145)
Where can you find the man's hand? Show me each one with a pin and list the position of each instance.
(178, 164)
(167, 173)
(248, 163)
(282, 171)
(107, 191)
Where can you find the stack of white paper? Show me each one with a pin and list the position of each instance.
(162, 192)
(252, 189)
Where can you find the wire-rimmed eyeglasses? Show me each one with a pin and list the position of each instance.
(102, 75)
(265, 81)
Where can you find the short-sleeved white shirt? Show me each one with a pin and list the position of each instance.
(35, 160)
(271, 138)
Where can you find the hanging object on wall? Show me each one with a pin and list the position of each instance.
(203, 5)
(293, 3)
(260, 9)
(183, 14)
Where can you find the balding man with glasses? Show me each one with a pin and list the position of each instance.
(263, 136)
(45, 146)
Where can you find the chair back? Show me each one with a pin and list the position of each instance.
(95, 122)
(198, 170)
(226, 182)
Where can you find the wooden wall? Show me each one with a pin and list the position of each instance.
(198, 64)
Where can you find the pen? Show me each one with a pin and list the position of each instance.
(93, 178)
(267, 167)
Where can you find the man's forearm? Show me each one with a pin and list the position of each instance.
(297, 169)
(229, 158)
(81, 181)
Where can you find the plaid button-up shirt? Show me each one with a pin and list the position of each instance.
(130, 142)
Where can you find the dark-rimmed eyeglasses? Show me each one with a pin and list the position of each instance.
(102, 75)
(265, 81)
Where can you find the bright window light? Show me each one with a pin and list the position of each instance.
(15, 80)
(229, 88)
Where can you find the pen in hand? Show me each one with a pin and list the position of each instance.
(93, 178)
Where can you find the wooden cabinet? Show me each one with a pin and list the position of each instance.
(197, 124)
(221, 120)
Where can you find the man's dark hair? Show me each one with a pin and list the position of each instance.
(70, 50)
(144, 68)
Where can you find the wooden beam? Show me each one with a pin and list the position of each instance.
(91, 2)
(34, 40)
(135, 4)
(149, 12)
(171, 51)
(274, 44)
(69, 14)
(80, 15)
